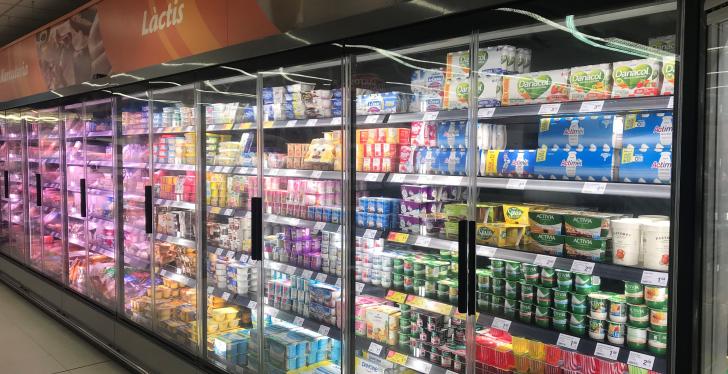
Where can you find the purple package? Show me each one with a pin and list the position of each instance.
(418, 193)
(415, 209)
(409, 224)
(450, 193)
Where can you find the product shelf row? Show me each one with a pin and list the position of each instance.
(307, 323)
(392, 355)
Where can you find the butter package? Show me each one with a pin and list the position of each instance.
(668, 75)
(457, 92)
(452, 134)
(498, 59)
(586, 248)
(515, 163)
(499, 234)
(539, 87)
(545, 243)
(586, 131)
(646, 166)
(585, 165)
(546, 222)
(591, 82)
(648, 131)
(451, 161)
(636, 78)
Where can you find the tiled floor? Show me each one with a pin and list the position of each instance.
(31, 342)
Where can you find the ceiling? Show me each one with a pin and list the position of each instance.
(20, 17)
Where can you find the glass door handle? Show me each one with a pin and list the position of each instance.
(38, 196)
(471, 268)
(7, 184)
(83, 197)
(256, 227)
(148, 209)
(462, 266)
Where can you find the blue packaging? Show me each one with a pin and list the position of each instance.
(516, 163)
(336, 93)
(336, 215)
(382, 221)
(648, 131)
(584, 131)
(326, 217)
(363, 204)
(311, 213)
(361, 219)
(451, 134)
(337, 104)
(583, 165)
(267, 95)
(645, 166)
(426, 160)
(371, 220)
(452, 161)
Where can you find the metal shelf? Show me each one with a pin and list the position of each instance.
(329, 279)
(388, 353)
(307, 323)
(297, 222)
(135, 165)
(187, 281)
(302, 123)
(230, 212)
(300, 173)
(175, 204)
(230, 254)
(179, 167)
(144, 131)
(175, 240)
(106, 163)
(174, 130)
(231, 126)
(100, 134)
(239, 170)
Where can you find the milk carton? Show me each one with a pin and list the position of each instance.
(636, 78)
(457, 92)
(539, 87)
(591, 82)
(648, 131)
(585, 165)
(586, 131)
(645, 166)
(668, 75)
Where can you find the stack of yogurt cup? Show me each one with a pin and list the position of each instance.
(642, 241)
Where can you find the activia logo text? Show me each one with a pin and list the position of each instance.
(172, 16)
(582, 241)
(582, 220)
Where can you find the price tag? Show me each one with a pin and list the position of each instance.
(606, 351)
(501, 324)
(549, 108)
(273, 171)
(336, 121)
(219, 251)
(397, 358)
(671, 103)
(244, 258)
(545, 261)
(294, 221)
(397, 297)
(321, 277)
(371, 119)
(568, 342)
(594, 188)
(582, 267)
(370, 234)
(324, 330)
(516, 184)
(338, 282)
(312, 122)
(486, 251)
(371, 177)
(398, 178)
(298, 321)
(430, 116)
(319, 226)
(591, 106)
(641, 360)
(398, 237)
(338, 230)
(375, 348)
(486, 112)
(423, 241)
(230, 254)
(450, 372)
(291, 123)
(252, 304)
(307, 274)
(226, 296)
(424, 179)
(423, 367)
(316, 174)
(654, 278)
(290, 269)
(359, 287)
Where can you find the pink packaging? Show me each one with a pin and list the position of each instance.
(423, 134)
(405, 159)
(368, 150)
(381, 135)
(590, 364)
(571, 360)
(377, 150)
(367, 164)
(376, 165)
(387, 163)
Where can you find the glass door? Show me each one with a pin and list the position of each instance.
(302, 161)
(16, 212)
(232, 276)
(4, 197)
(175, 220)
(33, 186)
(76, 214)
(136, 210)
(49, 155)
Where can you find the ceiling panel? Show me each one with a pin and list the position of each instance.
(20, 17)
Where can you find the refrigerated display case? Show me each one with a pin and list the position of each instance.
(4, 202)
(15, 211)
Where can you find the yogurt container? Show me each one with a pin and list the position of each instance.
(656, 297)
(626, 241)
(618, 309)
(577, 324)
(564, 280)
(544, 296)
(579, 303)
(639, 315)
(499, 286)
(656, 245)
(513, 270)
(542, 316)
(658, 320)
(498, 268)
(598, 304)
(634, 292)
(561, 299)
(548, 277)
(585, 283)
(615, 332)
(597, 329)
(657, 342)
(525, 312)
(510, 308)
(636, 338)
(530, 273)
(560, 320)
(527, 293)
(511, 289)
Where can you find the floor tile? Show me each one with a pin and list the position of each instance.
(109, 367)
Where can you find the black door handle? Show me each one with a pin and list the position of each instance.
(256, 227)
(83, 197)
(471, 268)
(462, 266)
(7, 183)
(148, 209)
(38, 196)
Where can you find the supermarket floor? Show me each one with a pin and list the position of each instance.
(31, 342)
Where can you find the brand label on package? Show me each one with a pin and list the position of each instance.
(648, 166)
(586, 165)
(636, 78)
(591, 82)
(648, 131)
(516, 163)
(457, 92)
(539, 87)
(451, 134)
(585, 131)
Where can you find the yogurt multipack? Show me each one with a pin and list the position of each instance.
(585, 131)
(668, 75)
(584, 165)
(499, 59)
(538, 87)
(636, 78)
(452, 134)
(648, 131)
(591, 82)
(457, 92)
(510, 163)
(385, 102)
(645, 166)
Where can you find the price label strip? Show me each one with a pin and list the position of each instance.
(371, 177)
(582, 267)
(298, 321)
(316, 174)
(423, 241)
(398, 178)
(370, 234)
(397, 297)
(545, 261)
(501, 324)
(321, 277)
(516, 184)
(359, 287)
(336, 121)
(324, 330)
(606, 351)
(549, 108)
(594, 188)
(486, 251)
(568, 342)
(486, 112)
(641, 360)
(397, 358)
(307, 274)
(371, 119)
(654, 278)
(375, 348)
(291, 123)
(312, 122)
(591, 106)
(430, 116)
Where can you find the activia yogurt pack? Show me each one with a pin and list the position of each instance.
(636, 78)
(591, 82)
(584, 165)
(585, 131)
(648, 131)
(538, 87)
(645, 166)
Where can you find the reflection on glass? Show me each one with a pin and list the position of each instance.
(16, 183)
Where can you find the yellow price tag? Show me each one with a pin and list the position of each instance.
(267, 125)
(398, 237)
(429, 305)
(457, 315)
(227, 126)
(397, 358)
(245, 126)
(397, 297)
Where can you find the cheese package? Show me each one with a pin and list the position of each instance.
(668, 75)
(457, 92)
(591, 82)
(636, 78)
(538, 87)
(646, 166)
(584, 131)
(585, 165)
(648, 131)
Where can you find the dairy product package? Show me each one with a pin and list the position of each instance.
(499, 234)
(585, 131)
(423, 102)
(665, 43)
(591, 82)
(451, 161)
(452, 134)
(385, 102)
(585, 165)
(648, 131)
(499, 59)
(523, 60)
(427, 160)
(423, 134)
(546, 221)
(586, 248)
(589, 224)
(668, 76)
(406, 159)
(457, 92)
(636, 78)
(645, 166)
(537, 87)
(428, 81)
(550, 244)
(509, 163)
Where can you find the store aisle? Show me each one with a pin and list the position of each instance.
(31, 342)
